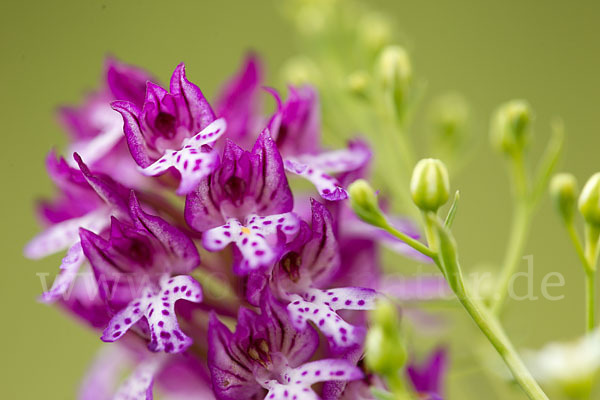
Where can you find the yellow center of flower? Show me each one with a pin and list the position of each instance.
(245, 230)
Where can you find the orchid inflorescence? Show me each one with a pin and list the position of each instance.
(224, 252)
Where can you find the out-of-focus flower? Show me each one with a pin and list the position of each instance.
(569, 366)
(428, 378)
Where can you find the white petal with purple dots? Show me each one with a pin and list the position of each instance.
(157, 305)
(138, 386)
(298, 381)
(328, 187)
(320, 307)
(256, 240)
(191, 161)
(68, 271)
(64, 234)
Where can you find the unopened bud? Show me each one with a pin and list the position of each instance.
(364, 203)
(299, 71)
(358, 84)
(511, 126)
(450, 116)
(563, 191)
(589, 200)
(384, 349)
(394, 72)
(430, 185)
(374, 31)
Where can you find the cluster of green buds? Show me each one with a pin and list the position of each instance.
(563, 190)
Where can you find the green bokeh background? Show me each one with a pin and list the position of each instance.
(545, 51)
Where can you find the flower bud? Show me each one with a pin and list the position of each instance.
(450, 116)
(364, 203)
(394, 72)
(374, 31)
(358, 84)
(430, 185)
(589, 200)
(563, 191)
(384, 349)
(511, 126)
(299, 71)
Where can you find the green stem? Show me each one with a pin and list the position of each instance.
(492, 329)
(415, 244)
(514, 250)
(447, 261)
(591, 256)
(590, 296)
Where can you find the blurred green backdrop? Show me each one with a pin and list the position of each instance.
(546, 52)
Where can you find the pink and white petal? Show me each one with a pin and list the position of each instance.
(191, 161)
(166, 335)
(159, 310)
(138, 386)
(349, 298)
(278, 391)
(110, 125)
(338, 331)
(104, 373)
(121, 322)
(64, 234)
(68, 271)
(343, 160)
(325, 370)
(218, 238)
(320, 307)
(208, 135)
(327, 186)
(288, 223)
(256, 251)
(297, 382)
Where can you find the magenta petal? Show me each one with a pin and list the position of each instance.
(239, 101)
(133, 132)
(193, 109)
(179, 246)
(232, 378)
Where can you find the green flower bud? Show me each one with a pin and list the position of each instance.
(358, 84)
(563, 191)
(374, 31)
(364, 203)
(394, 72)
(299, 71)
(589, 200)
(384, 349)
(430, 185)
(511, 126)
(450, 116)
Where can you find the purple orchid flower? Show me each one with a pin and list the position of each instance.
(428, 378)
(246, 201)
(175, 130)
(157, 256)
(306, 269)
(97, 131)
(103, 197)
(296, 130)
(266, 357)
(239, 102)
